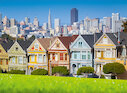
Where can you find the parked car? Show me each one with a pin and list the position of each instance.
(93, 76)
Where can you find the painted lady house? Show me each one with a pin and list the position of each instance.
(4, 59)
(37, 52)
(58, 51)
(82, 52)
(18, 55)
(110, 47)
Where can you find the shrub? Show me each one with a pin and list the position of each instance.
(85, 70)
(0, 70)
(40, 72)
(113, 68)
(102, 76)
(16, 72)
(62, 70)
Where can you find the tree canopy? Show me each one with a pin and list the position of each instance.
(124, 26)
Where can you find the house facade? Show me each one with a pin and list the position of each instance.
(4, 59)
(81, 53)
(38, 56)
(18, 56)
(110, 47)
(58, 51)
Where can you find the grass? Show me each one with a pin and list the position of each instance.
(10, 83)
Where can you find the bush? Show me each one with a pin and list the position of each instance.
(16, 72)
(113, 68)
(102, 76)
(62, 70)
(85, 70)
(0, 70)
(40, 72)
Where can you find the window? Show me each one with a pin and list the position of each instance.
(53, 56)
(80, 44)
(13, 60)
(75, 56)
(44, 57)
(24, 60)
(98, 53)
(20, 60)
(61, 56)
(1, 61)
(105, 40)
(6, 62)
(0, 50)
(32, 58)
(36, 45)
(16, 48)
(58, 45)
(65, 56)
(89, 55)
(108, 53)
(40, 58)
(84, 55)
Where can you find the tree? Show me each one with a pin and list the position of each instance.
(7, 37)
(40, 72)
(125, 26)
(86, 70)
(114, 68)
(61, 70)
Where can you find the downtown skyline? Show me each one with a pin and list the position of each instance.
(40, 9)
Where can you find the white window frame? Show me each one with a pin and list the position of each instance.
(13, 60)
(40, 59)
(20, 59)
(36, 46)
(32, 58)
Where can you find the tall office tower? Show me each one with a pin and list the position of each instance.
(87, 22)
(27, 20)
(65, 31)
(0, 18)
(115, 17)
(57, 23)
(12, 22)
(95, 23)
(45, 26)
(36, 22)
(6, 21)
(49, 21)
(74, 15)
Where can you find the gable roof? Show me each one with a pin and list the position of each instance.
(66, 40)
(7, 44)
(89, 39)
(45, 42)
(25, 44)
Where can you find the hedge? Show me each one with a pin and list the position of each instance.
(40, 72)
(16, 72)
(85, 70)
(62, 70)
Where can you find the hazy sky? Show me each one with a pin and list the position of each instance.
(19, 9)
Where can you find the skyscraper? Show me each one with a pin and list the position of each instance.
(36, 22)
(115, 17)
(49, 21)
(74, 15)
(13, 22)
(27, 20)
(57, 23)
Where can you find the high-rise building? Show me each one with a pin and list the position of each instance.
(57, 23)
(45, 26)
(12, 22)
(49, 21)
(36, 22)
(6, 21)
(27, 20)
(87, 22)
(65, 31)
(74, 15)
(115, 17)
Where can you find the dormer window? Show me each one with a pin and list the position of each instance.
(80, 44)
(105, 40)
(57, 45)
(36, 46)
(16, 48)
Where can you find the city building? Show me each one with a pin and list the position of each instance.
(45, 26)
(36, 22)
(12, 22)
(74, 15)
(27, 20)
(115, 17)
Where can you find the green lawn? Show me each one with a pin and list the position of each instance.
(10, 83)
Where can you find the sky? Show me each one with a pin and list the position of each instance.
(19, 9)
